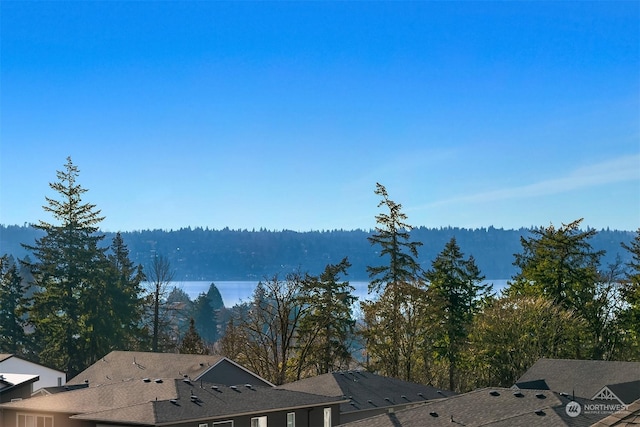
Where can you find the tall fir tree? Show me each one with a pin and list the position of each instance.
(456, 293)
(65, 273)
(390, 319)
(325, 331)
(12, 334)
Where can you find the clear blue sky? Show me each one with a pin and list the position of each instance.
(284, 115)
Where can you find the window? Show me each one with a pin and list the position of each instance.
(327, 417)
(259, 422)
(223, 423)
(203, 425)
(29, 420)
(291, 419)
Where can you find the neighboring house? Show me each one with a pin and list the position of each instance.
(628, 417)
(119, 366)
(589, 379)
(495, 407)
(16, 386)
(12, 364)
(367, 394)
(173, 402)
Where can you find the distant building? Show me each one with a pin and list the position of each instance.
(11, 364)
(16, 387)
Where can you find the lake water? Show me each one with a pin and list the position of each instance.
(234, 292)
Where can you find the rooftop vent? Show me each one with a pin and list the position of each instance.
(540, 413)
(186, 381)
(434, 414)
(404, 397)
(541, 396)
(235, 388)
(249, 386)
(215, 387)
(422, 395)
(563, 394)
(352, 403)
(201, 364)
(175, 402)
(387, 399)
(494, 393)
(371, 403)
(194, 398)
(518, 394)
(158, 380)
(439, 392)
(146, 380)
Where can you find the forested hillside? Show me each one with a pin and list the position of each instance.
(204, 254)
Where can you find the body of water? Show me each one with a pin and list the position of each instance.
(235, 292)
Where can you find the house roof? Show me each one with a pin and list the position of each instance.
(99, 398)
(365, 390)
(584, 378)
(151, 402)
(629, 417)
(483, 407)
(120, 366)
(194, 401)
(9, 381)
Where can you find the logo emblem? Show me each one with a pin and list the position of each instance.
(573, 409)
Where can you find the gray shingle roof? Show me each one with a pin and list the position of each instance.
(119, 366)
(483, 407)
(582, 377)
(151, 402)
(365, 390)
(204, 401)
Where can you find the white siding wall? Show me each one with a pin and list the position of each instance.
(48, 377)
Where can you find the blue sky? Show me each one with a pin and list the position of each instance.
(284, 115)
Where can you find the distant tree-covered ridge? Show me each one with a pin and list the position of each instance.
(209, 255)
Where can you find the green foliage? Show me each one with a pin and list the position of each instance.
(456, 293)
(206, 318)
(86, 300)
(561, 265)
(630, 315)
(390, 321)
(13, 339)
(65, 275)
(512, 333)
(192, 343)
(326, 329)
(392, 236)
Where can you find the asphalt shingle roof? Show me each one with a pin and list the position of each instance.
(151, 402)
(119, 366)
(365, 390)
(584, 378)
(484, 407)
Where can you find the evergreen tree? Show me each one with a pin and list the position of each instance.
(391, 319)
(65, 273)
(456, 293)
(206, 318)
(324, 333)
(630, 316)
(12, 335)
(392, 235)
(560, 264)
(192, 343)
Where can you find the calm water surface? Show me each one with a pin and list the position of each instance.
(234, 292)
